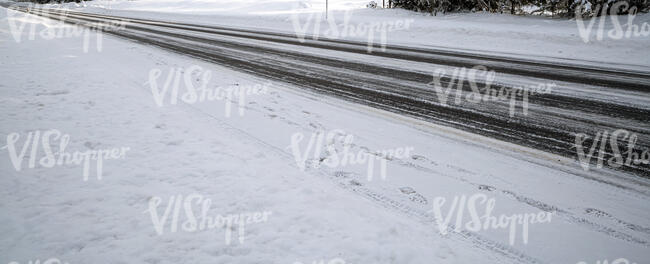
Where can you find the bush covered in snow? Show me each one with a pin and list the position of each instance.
(567, 8)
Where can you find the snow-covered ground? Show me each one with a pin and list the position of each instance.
(245, 162)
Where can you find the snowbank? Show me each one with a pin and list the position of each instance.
(224, 6)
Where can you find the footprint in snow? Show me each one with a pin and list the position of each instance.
(486, 187)
(413, 195)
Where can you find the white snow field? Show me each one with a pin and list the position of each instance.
(243, 162)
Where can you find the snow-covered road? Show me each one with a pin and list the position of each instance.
(106, 98)
(574, 98)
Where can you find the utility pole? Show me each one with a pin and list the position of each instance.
(326, 7)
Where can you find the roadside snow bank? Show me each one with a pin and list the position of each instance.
(223, 6)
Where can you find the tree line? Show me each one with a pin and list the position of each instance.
(562, 8)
